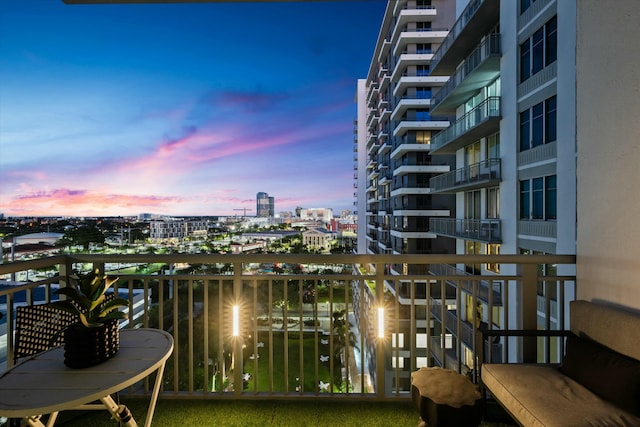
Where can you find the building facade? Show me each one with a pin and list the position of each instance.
(395, 127)
(177, 230)
(496, 161)
(512, 90)
(265, 205)
(394, 131)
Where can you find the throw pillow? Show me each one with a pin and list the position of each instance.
(607, 373)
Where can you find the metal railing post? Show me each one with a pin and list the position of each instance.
(529, 310)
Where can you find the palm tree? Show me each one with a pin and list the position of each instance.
(344, 340)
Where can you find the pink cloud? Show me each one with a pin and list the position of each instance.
(84, 202)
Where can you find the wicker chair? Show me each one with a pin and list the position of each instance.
(39, 328)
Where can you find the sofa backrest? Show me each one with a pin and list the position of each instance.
(611, 326)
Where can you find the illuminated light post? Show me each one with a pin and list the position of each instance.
(236, 321)
(380, 322)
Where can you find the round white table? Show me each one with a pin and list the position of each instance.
(42, 384)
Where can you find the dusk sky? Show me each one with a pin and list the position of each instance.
(179, 109)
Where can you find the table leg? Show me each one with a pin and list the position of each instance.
(34, 421)
(154, 395)
(119, 412)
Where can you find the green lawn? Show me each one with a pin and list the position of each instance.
(232, 413)
(224, 413)
(309, 357)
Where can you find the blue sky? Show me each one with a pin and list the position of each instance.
(180, 109)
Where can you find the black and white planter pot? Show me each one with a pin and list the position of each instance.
(88, 347)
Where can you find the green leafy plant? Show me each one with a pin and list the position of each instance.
(86, 299)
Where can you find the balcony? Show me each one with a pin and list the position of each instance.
(414, 80)
(479, 69)
(407, 103)
(479, 230)
(480, 121)
(283, 298)
(487, 173)
(416, 36)
(476, 20)
(434, 123)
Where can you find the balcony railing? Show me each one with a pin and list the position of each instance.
(310, 325)
(476, 18)
(481, 230)
(485, 58)
(483, 113)
(480, 174)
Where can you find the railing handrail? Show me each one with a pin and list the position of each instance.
(353, 288)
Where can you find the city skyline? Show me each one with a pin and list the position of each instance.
(179, 109)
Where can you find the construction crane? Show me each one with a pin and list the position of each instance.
(244, 214)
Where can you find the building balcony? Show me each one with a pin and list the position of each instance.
(412, 233)
(191, 296)
(404, 126)
(384, 148)
(425, 168)
(479, 230)
(404, 147)
(476, 20)
(487, 173)
(407, 59)
(414, 14)
(407, 103)
(481, 121)
(406, 81)
(417, 36)
(479, 69)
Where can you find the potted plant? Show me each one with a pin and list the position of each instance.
(95, 337)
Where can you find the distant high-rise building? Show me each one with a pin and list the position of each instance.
(265, 205)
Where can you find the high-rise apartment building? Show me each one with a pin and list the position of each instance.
(394, 130)
(265, 205)
(395, 127)
(512, 90)
(479, 124)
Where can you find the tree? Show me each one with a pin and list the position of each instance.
(344, 340)
(84, 236)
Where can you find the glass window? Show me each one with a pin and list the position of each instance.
(423, 137)
(423, 115)
(473, 248)
(525, 60)
(423, 48)
(524, 5)
(493, 203)
(422, 70)
(551, 197)
(551, 122)
(493, 249)
(525, 203)
(537, 51)
(537, 198)
(525, 139)
(537, 125)
(493, 146)
(551, 42)
(423, 93)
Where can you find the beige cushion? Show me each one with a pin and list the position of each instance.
(613, 327)
(538, 395)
